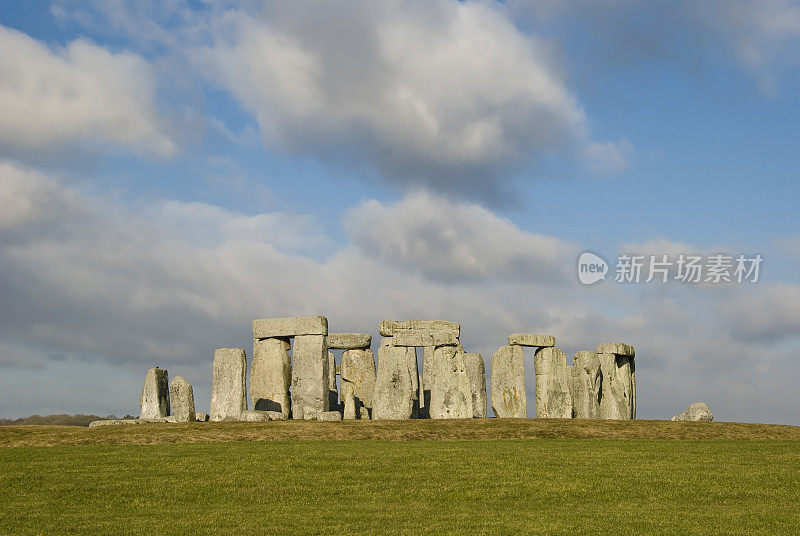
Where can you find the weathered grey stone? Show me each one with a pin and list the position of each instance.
(633, 388)
(364, 413)
(386, 341)
(394, 388)
(333, 391)
(349, 341)
(154, 401)
(532, 339)
(358, 369)
(586, 383)
(387, 328)
(695, 412)
(349, 401)
(271, 375)
(619, 348)
(425, 338)
(509, 399)
(228, 379)
(113, 422)
(553, 398)
(477, 379)
(264, 328)
(616, 399)
(182, 399)
(451, 390)
(254, 415)
(200, 416)
(309, 375)
(329, 416)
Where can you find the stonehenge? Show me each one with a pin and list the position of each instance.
(294, 374)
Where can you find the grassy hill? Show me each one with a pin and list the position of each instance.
(426, 477)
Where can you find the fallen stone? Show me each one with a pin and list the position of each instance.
(154, 401)
(618, 348)
(349, 341)
(329, 416)
(553, 398)
(508, 383)
(358, 369)
(531, 339)
(451, 390)
(182, 399)
(289, 327)
(200, 416)
(309, 375)
(616, 400)
(271, 375)
(394, 393)
(477, 379)
(425, 338)
(586, 383)
(113, 422)
(349, 402)
(387, 328)
(228, 379)
(697, 411)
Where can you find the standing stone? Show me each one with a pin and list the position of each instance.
(451, 390)
(154, 401)
(586, 383)
(633, 388)
(358, 369)
(394, 388)
(228, 378)
(617, 382)
(695, 412)
(309, 376)
(271, 375)
(182, 397)
(427, 381)
(349, 402)
(333, 392)
(553, 398)
(413, 371)
(508, 383)
(477, 379)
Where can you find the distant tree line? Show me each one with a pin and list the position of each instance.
(60, 420)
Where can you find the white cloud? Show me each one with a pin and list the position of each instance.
(608, 158)
(453, 241)
(79, 94)
(431, 93)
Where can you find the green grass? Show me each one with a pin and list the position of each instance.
(474, 486)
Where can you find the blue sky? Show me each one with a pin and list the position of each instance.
(178, 169)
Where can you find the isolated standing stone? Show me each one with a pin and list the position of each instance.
(228, 378)
(309, 375)
(182, 397)
(508, 383)
(477, 379)
(394, 388)
(358, 369)
(586, 382)
(349, 402)
(154, 401)
(451, 390)
(553, 398)
(695, 412)
(271, 375)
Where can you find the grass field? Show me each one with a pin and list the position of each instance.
(418, 477)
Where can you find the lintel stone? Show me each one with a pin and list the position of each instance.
(422, 338)
(531, 339)
(618, 348)
(349, 341)
(387, 328)
(264, 328)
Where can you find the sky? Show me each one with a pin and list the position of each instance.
(170, 171)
